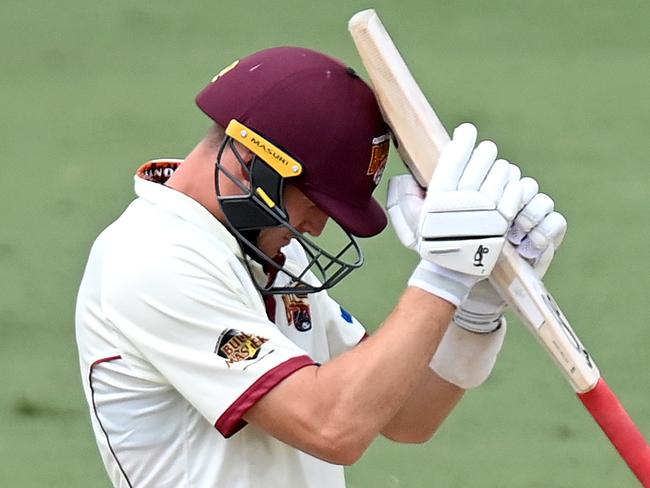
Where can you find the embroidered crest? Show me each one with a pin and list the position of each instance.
(378, 157)
(298, 311)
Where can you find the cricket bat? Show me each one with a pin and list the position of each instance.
(419, 137)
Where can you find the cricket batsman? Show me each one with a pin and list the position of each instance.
(211, 353)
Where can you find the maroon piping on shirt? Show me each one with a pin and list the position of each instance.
(92, 394)
(231, 421)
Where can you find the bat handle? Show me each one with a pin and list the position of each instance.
(607, 411)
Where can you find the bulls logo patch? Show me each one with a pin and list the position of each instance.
(378, 157)
(235, 346)
(298, 311)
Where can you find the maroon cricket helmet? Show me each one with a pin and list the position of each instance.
(320, 112)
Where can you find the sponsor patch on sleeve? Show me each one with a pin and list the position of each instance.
(234, 346)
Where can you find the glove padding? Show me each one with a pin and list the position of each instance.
(462, 219)
(536, 233)
(469, 206)
(404, 203)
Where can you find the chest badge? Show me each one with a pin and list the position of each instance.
(298, 311)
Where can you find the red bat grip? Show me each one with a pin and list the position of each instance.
(606, 409)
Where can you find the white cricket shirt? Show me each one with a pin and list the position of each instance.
(175, 346)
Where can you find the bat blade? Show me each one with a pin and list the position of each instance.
(420, 137)
(518, 284)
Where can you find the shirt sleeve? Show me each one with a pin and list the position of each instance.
(344, 331)
(192, 320)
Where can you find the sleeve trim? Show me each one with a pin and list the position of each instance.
(231, 421)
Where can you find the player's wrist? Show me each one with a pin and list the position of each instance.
(482, 310)
(478, 323)
(448, 284)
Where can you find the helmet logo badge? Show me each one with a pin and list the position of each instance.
(378, 157)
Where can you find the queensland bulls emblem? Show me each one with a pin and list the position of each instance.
(298, 312)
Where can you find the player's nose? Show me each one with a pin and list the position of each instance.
(315, 223)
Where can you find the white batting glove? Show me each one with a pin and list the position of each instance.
(469, 349)
(404, 203)
(536, 233)
(471, 201)
(468, 208)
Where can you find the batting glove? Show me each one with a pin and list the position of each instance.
(463, 219)
(468, 351)
(536, 234)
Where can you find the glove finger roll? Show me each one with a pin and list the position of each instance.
(393, 191)
(403, 203)
(453, 159)
(534, 212)
(543, 262)
(515, 172)
(402, 186)
(510, 202)
(401, 227)
(530, 188)
(515, 234)
(528, 250)
(496, 180)
(550, 231)
(479, 166)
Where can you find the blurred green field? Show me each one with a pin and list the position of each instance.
(89, 90)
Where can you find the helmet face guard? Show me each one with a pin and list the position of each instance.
(260, 206)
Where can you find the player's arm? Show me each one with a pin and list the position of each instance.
(424, 411)
(336, 410)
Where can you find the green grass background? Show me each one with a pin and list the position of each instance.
(88, 90)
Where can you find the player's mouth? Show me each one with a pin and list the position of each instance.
(286, 240)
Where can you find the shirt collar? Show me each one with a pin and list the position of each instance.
(150, 186)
